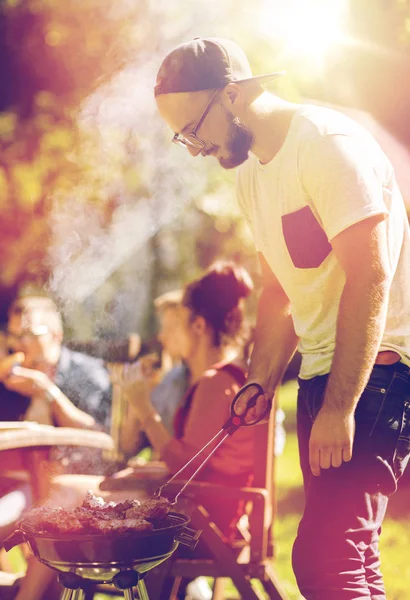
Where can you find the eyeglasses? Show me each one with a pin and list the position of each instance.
(26, 336)
(192, 140)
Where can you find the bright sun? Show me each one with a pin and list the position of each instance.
(306, 28)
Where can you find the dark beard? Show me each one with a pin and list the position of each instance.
(240, 140)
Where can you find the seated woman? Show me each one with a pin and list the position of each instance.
(210, 339)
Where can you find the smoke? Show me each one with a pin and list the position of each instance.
(129, 139)
(130, 165)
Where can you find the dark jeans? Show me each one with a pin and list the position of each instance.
(336, 552)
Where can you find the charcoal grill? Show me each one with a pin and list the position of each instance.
(120, 559)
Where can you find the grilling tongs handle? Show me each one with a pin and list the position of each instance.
(14, 539)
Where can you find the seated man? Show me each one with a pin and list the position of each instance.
(53, 381)
(45, 382)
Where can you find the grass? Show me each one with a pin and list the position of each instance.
(394, 541)
(395, 538)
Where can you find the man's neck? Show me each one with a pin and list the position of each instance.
(270, 118)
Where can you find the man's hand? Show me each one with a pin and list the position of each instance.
(263, 402)
(331, 439)
(8, 363)
(27, 382)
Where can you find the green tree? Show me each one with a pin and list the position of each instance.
(52, 56)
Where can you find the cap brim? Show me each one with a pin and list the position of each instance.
(263, 78)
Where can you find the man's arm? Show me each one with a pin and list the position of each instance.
(33, 383)
(275, 340)
(65, 413)
(363, 255)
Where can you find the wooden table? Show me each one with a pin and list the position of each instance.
(27, 435)
(24, 446)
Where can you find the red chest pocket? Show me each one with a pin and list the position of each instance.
(305, 239)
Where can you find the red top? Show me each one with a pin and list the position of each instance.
(205, 409)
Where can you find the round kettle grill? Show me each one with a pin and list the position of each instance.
(118, 559)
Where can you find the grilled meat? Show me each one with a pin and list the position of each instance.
(97, 516)
(118, 526)
(154, 509)
(113, 510)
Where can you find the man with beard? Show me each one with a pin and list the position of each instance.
(333, 239)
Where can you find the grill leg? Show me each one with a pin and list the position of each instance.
(67, 594)
(79, 594)
(142, 590)
(129, 594)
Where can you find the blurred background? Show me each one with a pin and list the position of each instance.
(96, 203)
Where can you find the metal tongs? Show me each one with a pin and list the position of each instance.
(228, 428)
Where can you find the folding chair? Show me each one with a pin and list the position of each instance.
(253, 559)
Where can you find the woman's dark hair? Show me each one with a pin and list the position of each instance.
(216, 297)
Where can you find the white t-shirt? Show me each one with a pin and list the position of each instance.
(329, 174)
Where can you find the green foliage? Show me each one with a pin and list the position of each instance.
(53, 55)
(69, 173)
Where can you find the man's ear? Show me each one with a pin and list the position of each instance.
(233, 98)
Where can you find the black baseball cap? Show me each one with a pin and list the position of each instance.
(205, 64)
